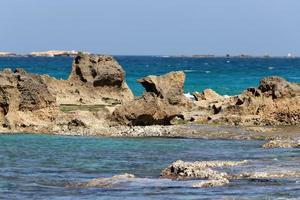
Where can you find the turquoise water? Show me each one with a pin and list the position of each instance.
(40, 166)
(225, 75)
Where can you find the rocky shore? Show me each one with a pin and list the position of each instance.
(95, 100)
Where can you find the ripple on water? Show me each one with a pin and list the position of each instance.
(40, 166)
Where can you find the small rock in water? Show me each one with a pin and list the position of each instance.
(282, 143)
(104, 182)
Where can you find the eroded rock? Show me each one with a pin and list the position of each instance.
(162, 102)
(208, 95)
(97, 70)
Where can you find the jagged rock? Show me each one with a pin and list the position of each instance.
(208, 95)
(277, 87)
(97, 70)
(163, 101)
(275, 102)
(93, 80)
(30, 92)
(34, 93)
(169, 86)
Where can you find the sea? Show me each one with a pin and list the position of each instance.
(37, 166)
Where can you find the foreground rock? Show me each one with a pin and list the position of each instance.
(163, 101)
(200, 170)
(211, 173)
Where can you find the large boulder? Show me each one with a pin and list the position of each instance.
(147, 110)
(163, 101)
(97, 70)
(94, 79)
(169, 86)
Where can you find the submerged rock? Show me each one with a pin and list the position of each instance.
(211, 183)
(282, 143)
(104, 182)
(200, 169)
(270, 175)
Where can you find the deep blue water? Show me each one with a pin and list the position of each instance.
(225, 75)
(40, 166)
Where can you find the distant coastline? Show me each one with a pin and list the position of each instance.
(73, 53)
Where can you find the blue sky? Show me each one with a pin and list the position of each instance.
(152, 27)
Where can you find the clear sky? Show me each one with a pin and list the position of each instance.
(152, 27)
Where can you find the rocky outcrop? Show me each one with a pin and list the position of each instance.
(275, 102)
(94, 80)
(162, 102)
(21, 92)
(39, 103)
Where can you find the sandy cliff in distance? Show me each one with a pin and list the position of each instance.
(53, 53)
(96, 100)
(6, 54)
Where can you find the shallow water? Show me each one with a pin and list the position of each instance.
(228, 76)
(40, 166)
